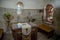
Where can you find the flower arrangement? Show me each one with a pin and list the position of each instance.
(8, 16)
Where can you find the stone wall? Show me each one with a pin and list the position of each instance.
(26, 12)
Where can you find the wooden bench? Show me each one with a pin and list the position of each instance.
(46, 30)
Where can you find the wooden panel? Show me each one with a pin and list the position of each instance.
(17, 34)
(34, 33)
(1, 32)
(26, 37)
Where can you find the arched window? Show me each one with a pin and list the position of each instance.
(19, 7)
(19, 10)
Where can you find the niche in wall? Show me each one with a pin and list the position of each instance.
(49, 13)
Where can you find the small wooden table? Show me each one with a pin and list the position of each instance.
(46, 29)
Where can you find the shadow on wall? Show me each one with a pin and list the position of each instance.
(57, 20)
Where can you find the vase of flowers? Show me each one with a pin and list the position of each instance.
(8, 17)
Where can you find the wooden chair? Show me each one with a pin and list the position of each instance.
(1, 34)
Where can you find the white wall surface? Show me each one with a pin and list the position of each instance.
(28, 4)
(55, 3)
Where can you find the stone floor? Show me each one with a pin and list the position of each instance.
(40, 36)
(8, 36)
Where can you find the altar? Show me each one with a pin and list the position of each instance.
(24, 31)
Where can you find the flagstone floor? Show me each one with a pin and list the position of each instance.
(40, 36)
